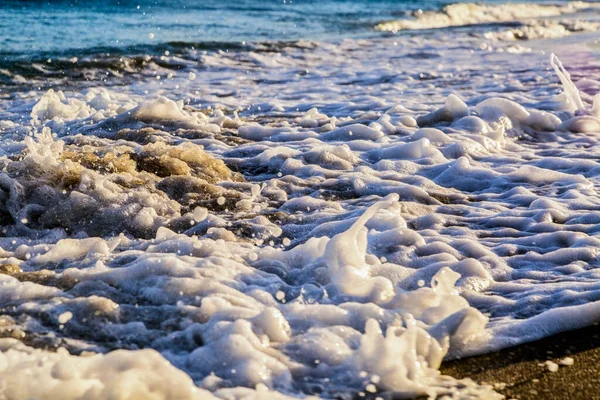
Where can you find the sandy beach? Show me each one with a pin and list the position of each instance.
(522, 372)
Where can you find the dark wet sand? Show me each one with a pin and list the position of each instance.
(519, 368)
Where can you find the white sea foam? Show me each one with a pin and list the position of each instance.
(365, 212)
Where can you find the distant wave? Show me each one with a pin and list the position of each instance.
(464, 14)
(172, 46)
(48, 68)
(542, 29)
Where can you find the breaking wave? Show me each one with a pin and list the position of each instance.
(463, 14)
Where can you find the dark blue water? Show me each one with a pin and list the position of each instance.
(64, 26)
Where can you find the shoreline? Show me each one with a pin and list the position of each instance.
(522, 372)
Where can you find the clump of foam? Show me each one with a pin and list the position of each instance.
(573, 99)
(56, 110)
(86, 186)
(454, 109)
(405, 361)
(586, 119)
(345, 254)
(117, 375)
(55, 105)
(163, 110)
(45, 150)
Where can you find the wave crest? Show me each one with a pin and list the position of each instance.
(462, 14)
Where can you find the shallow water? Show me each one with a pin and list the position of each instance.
(330, 214)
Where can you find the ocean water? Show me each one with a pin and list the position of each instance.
(274, 200)
(65, 26)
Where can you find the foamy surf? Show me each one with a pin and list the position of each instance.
(301, 219)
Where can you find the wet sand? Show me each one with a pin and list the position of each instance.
(521, 372)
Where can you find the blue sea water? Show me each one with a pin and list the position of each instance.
(43, 26)
(29, 28)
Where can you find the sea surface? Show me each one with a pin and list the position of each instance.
(282, 199)
(31, 27)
